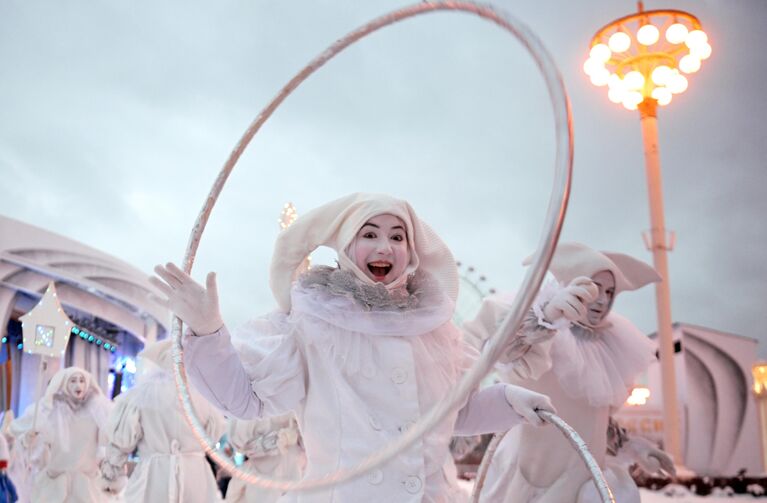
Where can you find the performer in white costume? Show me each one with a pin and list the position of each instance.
(587, 368)
(148, 418)
(67, 443)
(359, 352)
(273, 450)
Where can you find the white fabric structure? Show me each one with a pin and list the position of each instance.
(67, 443)
(148, 418)
(272, 448)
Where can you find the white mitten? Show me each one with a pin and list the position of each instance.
(197, 306)
(648, 456)
(526, 403)
(570, 302)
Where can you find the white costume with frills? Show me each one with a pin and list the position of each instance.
(272, 449)
(586, 373)
(356, 379)
(172, 465)
(70, 444)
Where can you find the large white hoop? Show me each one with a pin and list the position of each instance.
(554, 218)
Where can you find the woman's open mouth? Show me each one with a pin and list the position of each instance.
(379, 269)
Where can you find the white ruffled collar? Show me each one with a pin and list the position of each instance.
(601, 365)
(340, 299)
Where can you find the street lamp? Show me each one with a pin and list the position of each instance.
(643, 60)
(759, 371)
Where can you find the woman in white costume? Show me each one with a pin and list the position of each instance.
(272, 448)
(587, 369)
(148, 418)
(67, 443)
(359, 352)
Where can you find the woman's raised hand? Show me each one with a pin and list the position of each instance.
(196, 305)
(571, 301)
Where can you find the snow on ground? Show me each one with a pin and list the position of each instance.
(659, 497)
(681, 496)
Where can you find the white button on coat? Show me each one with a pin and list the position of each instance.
(413, 484)
(375, 476)
(398, 375)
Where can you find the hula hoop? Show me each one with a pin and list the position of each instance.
(576, 441)
(554, 217)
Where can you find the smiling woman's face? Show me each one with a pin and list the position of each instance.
(597, 310)
(380, 248)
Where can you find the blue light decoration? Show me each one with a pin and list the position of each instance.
(98, 342)
(91, 338)
(20, 346)
(107, 346)
(4, 340)
(113, 349)
(75, 330)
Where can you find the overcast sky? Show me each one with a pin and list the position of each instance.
(116, 116)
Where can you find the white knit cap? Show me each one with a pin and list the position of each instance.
(571, 260)
(335, 225)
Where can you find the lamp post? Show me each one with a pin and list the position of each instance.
(642, 59)
(759, 371)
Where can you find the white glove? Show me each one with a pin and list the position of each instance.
(114, 486)
(648, 457)
(197, 306)
(526, 403)
(571, 301)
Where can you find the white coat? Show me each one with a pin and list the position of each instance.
(172, 466)
(272, 449)
(66, 462)
(356, 379)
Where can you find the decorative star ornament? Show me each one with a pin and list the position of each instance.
(46, 327)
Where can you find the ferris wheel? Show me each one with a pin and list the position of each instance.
(473, 288)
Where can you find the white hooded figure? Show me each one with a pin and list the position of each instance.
(358, 352)
(272, 449)
(587, 369)
(148, 419)
(66, 445)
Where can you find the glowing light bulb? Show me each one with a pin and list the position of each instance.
(678, 84)
(689, 64)
(660, 75)
(629, 105)
(600, 77)
(616, 94)
(662, 95)
(619, 42)
(600, 52)
(634, 80)
(696, 38)
(615, 82)
(591, 66)
(648, 34)
(676, 33)
(702, 51)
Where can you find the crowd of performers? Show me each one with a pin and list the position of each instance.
(352, 357)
